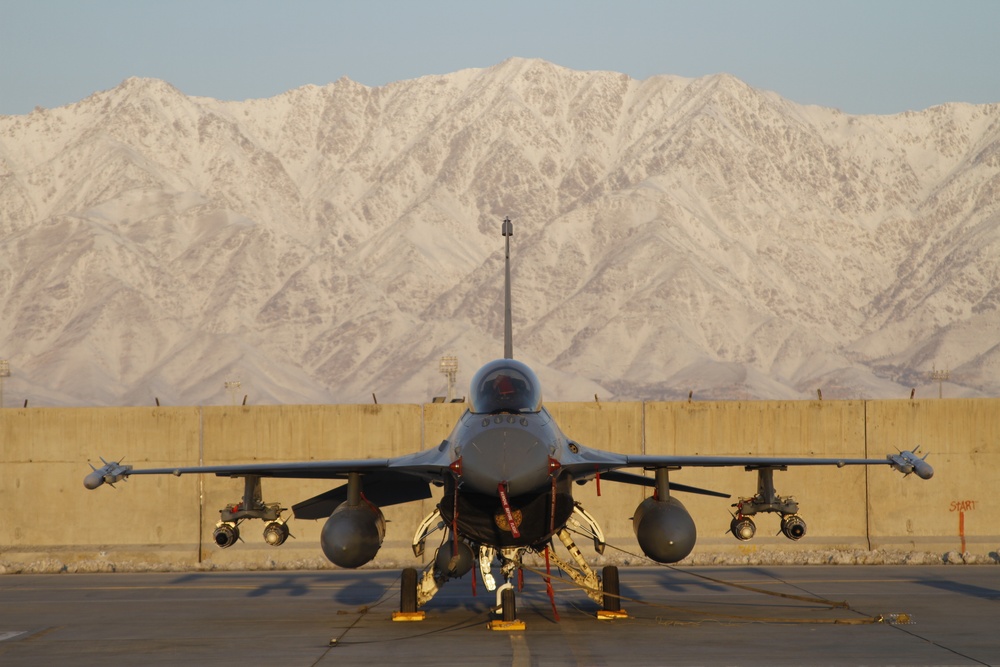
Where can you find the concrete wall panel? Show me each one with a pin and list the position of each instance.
(439, 420)
(831, 500)
(45, 454)
(957, 509)
(302, 433)
(615, 427)
(168, 519)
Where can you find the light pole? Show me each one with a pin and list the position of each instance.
(233, 387)
(4, 373)
(940, 377)
(449, 366)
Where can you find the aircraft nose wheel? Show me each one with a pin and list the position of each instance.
(508, 610)
(508, 605)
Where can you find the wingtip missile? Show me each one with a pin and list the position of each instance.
(908, 462)
(110, 472)
(93, 480)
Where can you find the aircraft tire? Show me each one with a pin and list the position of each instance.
(408, 591)
(508, 605)
(611, 588)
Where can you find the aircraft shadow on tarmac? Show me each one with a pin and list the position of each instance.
(680, 582)
(962, 589)
(348, 588)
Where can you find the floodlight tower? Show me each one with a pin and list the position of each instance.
(449, 366)
(4, 373)
(233, 387)
(940, 377)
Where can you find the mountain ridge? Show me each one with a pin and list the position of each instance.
(673, 235)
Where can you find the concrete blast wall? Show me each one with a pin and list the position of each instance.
(169, 520)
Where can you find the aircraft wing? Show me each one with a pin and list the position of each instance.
(428, 465)
(754, 462)
(593, 462)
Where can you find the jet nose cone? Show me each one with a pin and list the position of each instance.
(505, 455)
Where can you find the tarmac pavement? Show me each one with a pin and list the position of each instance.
(931, 615)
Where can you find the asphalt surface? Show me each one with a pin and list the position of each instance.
(945, 615)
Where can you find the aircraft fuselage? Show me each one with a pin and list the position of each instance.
(513, 455)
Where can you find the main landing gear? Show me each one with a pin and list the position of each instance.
(612, 600)
(408, 598)
(454, 558)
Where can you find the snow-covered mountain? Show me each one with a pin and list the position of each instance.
(671, 235)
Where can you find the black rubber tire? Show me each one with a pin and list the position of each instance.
(508, 605)
(611, 588)
(408, 591)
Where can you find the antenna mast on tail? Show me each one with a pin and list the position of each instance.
(508, 336)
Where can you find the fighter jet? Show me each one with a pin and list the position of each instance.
(505, 475)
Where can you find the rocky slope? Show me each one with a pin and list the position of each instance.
(671, 235)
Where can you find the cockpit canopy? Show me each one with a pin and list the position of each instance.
(505, 385)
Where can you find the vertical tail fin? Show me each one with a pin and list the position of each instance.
(508, 336)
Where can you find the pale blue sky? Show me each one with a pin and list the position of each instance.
(866, 56)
